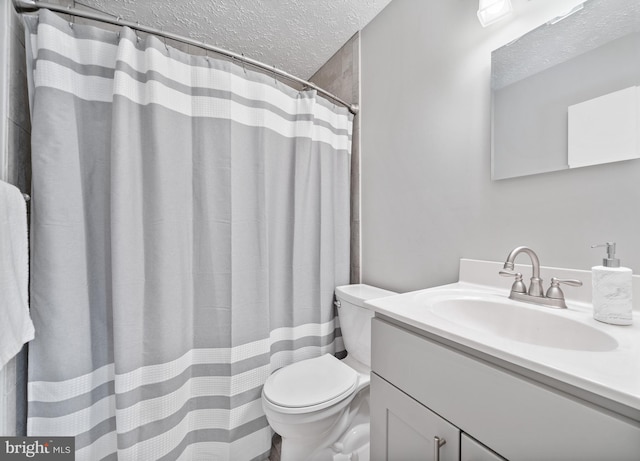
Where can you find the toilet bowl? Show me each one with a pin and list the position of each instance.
(320, 406)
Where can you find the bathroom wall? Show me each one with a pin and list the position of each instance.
(427, 196)
(16, 152)
(15, 168)
(340, 75)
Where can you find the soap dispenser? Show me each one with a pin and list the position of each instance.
(611, 295)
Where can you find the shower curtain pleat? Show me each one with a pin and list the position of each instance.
(190, 220)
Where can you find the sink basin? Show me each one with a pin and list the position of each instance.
(519, 322)
(474, 316)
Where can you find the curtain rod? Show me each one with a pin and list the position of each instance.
(30, 6)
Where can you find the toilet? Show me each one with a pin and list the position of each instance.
(320, 406)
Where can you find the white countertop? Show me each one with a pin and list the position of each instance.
(612, 374)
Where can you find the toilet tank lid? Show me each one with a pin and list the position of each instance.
(359, 293)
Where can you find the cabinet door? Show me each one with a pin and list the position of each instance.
(472, 450)
(403, 429)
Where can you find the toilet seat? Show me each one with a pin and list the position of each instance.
(310, 385)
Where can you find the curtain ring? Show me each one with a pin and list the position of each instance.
(164, 39)
(206, 51)
(73, 18)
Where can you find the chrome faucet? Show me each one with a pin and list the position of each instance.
(535, 294)
(535, 288)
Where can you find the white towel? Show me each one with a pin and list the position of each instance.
(16, 327)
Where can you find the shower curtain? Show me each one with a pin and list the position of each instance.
(190, 221)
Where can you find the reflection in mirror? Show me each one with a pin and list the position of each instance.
(566, 94)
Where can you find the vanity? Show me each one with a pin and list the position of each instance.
(462, 372)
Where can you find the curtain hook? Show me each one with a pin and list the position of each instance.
(206, 50)
(243, 62)
(73, 18)
(275, 73)
(164, 39)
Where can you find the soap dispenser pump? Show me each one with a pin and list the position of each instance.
(611, 291)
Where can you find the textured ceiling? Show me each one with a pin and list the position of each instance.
(297, 36)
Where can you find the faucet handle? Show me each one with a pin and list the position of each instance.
(554, 290)
(518, 285)
(572, 282)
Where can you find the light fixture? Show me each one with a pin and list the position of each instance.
(490, 11)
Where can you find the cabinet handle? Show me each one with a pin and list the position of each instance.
(437, 443)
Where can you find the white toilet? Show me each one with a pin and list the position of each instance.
(320, 406)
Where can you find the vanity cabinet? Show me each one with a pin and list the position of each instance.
(406, 430)
(403, 429)
(424, 387)
(472, 450)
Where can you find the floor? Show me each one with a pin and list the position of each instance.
(276, 443)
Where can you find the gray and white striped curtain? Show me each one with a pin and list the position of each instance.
(190, 220)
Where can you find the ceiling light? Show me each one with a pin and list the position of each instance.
(490, 11)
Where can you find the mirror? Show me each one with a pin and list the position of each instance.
(566, 94)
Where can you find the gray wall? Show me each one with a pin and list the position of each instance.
(427, 196)
(15, 168)
(340, 75)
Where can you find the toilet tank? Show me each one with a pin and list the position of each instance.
(355, 318)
